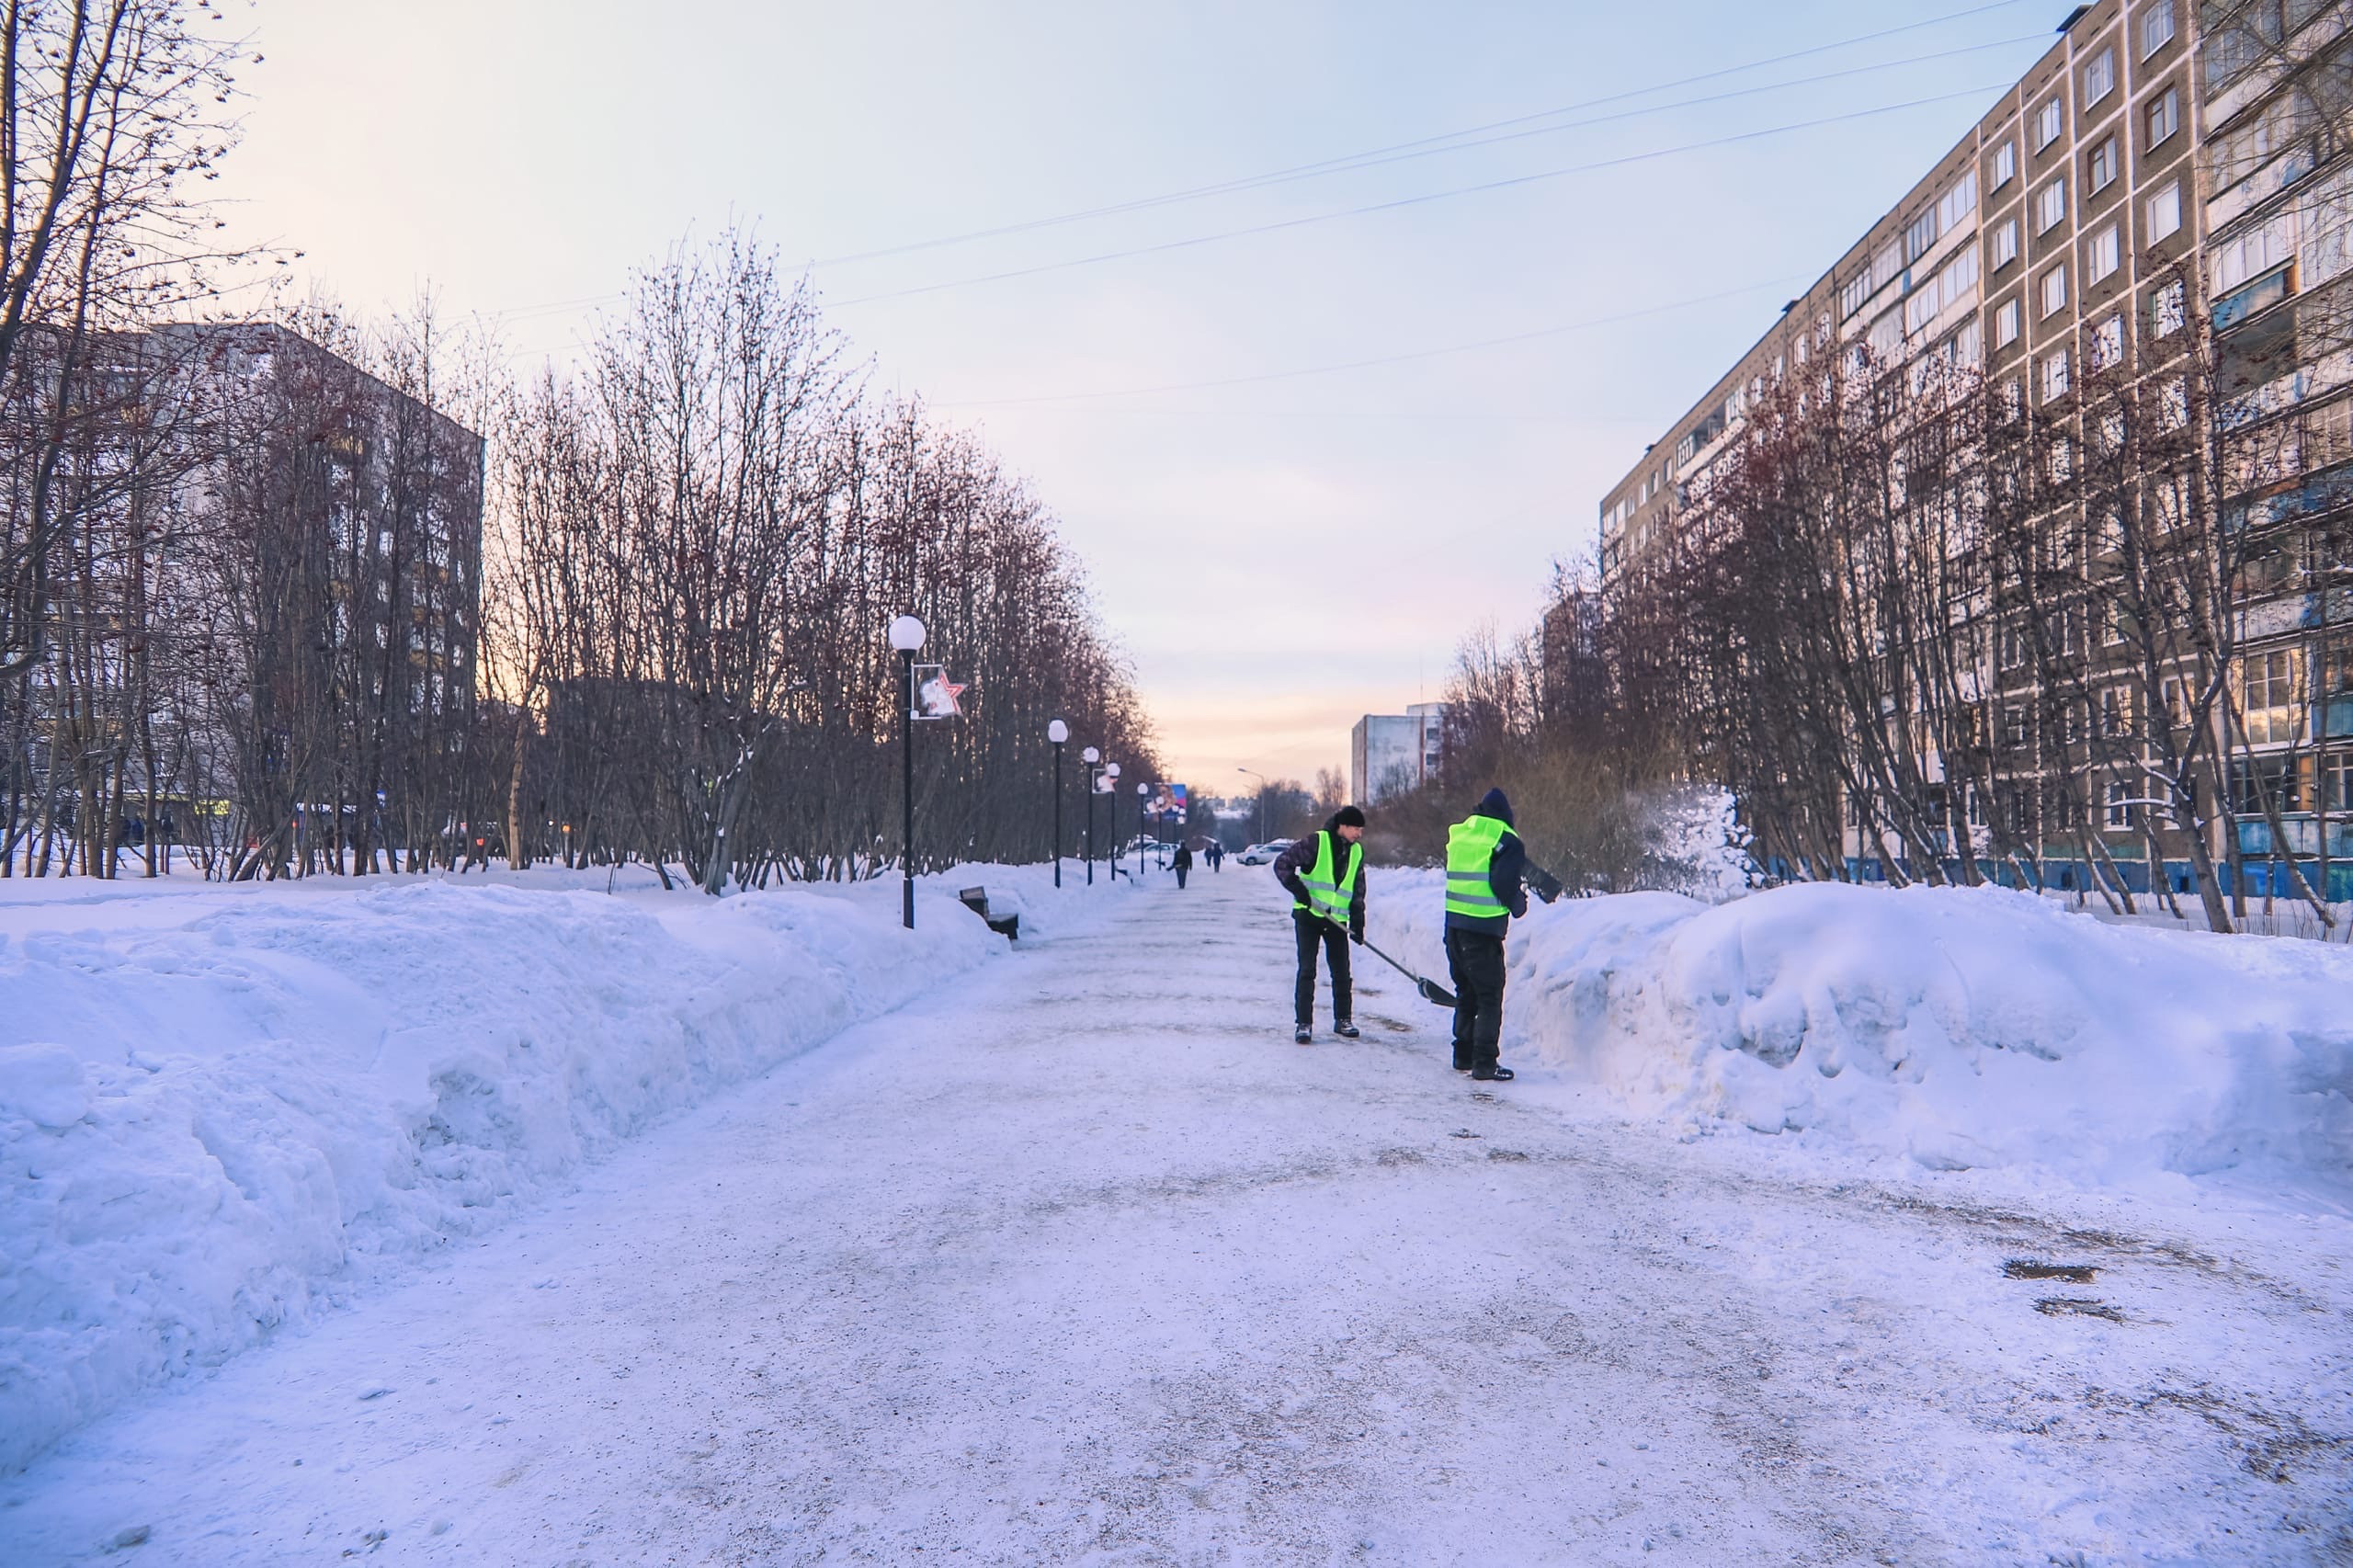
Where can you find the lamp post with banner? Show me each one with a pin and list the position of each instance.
(1056, 733)
(907, 638)
(1144, 810)
(1112, 816)
(1093, 760)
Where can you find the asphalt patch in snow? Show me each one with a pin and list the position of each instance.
(2065, 1273)
(2078, 1306)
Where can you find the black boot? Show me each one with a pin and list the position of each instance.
(1302, 1035)
(1345, 1029)
(1498, 1074)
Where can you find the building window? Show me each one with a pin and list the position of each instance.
(2156, 28)
(2048, 123)
(2013, 398)
(2006, 324)
(2103, 166)
(1853, 293)
(2101, 259)
(2268, 691)
(2165, 213)
(1887, 265)
(2165, 115)
(2006, 164)
(1920, 235)
(2051, 207)
(2173, 405)
(1921, 308)
(2099, 76)
(2055, 290)
(1957, 203)
(2054, 375)
(2106, 347)
(1959, 276)
(2006, 244)
(2122, 809)
(2014, 724)
(2167, 311)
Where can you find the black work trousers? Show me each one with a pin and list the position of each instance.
(1475, 961)
(1180, 874)
(1312, 930)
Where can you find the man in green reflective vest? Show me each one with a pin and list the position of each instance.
(1324, 874)
(1484, 863)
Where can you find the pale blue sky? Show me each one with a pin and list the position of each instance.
(1278, 555)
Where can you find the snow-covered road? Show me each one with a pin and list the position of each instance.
(1082, 1260)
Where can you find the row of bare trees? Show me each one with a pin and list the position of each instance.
(701, 536)
(1931, 624)
(282, 592)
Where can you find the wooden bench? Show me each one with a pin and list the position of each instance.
(977, 901)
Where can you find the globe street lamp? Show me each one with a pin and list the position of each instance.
(907, 636)
(1143, 791)
(1057, 733)
(1094, 761)
(1111, 809)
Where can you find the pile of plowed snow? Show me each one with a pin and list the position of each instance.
(1959, 1027)
(219, 1103)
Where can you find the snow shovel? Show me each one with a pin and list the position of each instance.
(1430, 989)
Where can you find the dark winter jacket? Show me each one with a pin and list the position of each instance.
(1503, 872)
(1183, 859)
(1300, 856)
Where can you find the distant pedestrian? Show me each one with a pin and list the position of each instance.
(1215, 854)
(1182, 864)
(1324, 874)
(1484, 863)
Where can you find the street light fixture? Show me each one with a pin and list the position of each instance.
(907, 636)
(1094, 761)
(1057, 733)
(1262, 800)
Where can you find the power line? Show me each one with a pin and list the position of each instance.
(1280, 224)
(1432, 146)
(1398, 152)
(1386, 359)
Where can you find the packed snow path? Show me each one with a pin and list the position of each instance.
(1083, 1260)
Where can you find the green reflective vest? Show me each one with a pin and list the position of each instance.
(1470, 857)
(1329, 895)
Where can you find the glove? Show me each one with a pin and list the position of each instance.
(1355, 932)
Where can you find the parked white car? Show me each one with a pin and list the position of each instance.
(1264, 854)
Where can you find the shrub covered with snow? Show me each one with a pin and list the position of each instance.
(216, 1106)
(1959, 1028)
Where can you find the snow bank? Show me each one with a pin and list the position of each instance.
(1959, 1027)
(219, 1107)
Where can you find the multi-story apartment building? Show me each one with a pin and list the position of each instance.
(1391, 753)
(268, 648)
(2155, 206)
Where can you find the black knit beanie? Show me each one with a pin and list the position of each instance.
(1348, 816)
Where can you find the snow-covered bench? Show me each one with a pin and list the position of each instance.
(977, 901)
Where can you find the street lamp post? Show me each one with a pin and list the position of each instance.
(1143, 795)
(907, 636)
(1094, 761)
(1262, 800)
(1111, 811)
(1057, 733)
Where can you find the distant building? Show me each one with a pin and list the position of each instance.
(1391, 753)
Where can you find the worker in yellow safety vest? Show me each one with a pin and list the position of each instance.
(1485, 865)
(1324, 874)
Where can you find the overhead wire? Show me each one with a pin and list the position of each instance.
(1454, 140)
(1405, 358)
(1306, 220)
(1399, 152)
